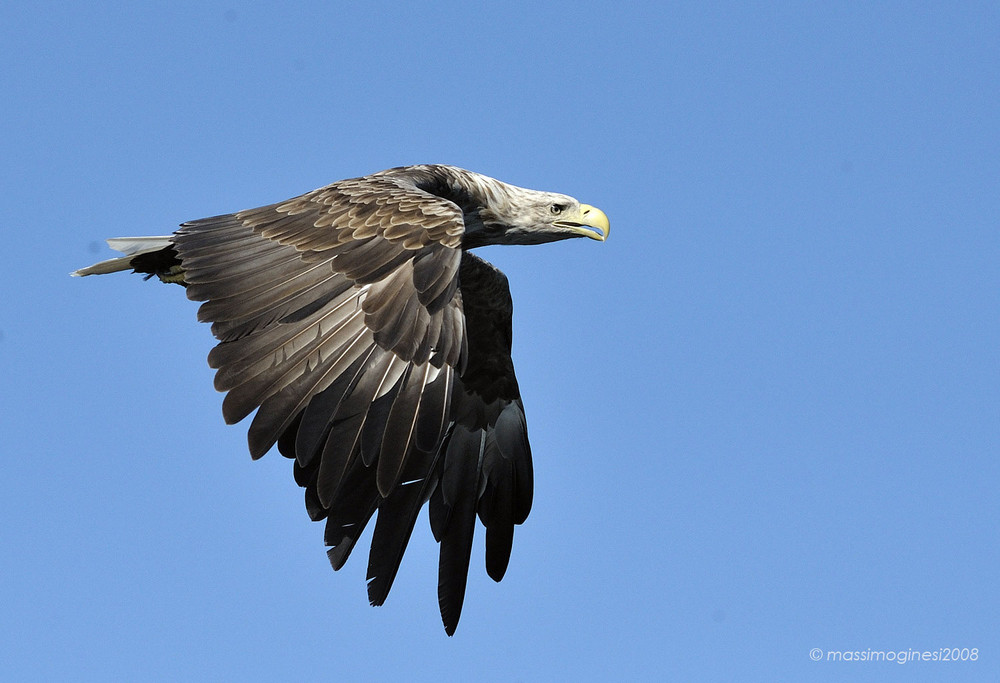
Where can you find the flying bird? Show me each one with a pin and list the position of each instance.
(375, 349)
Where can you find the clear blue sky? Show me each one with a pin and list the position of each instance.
(765, 414)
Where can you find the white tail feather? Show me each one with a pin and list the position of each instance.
(131, 247)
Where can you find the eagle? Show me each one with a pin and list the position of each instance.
(376, 351)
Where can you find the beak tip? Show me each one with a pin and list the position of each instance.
(596, 219)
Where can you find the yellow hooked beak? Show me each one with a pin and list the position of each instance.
(590, 222)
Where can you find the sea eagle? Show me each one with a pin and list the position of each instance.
(375, 349)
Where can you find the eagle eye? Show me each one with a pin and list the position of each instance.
(557, 209)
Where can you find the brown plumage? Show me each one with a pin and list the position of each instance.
(375, 350)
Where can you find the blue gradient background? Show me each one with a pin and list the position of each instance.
(765, 414)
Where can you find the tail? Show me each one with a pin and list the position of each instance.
(151, 255)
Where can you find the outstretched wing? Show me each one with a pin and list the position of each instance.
(377, 355)
(486, 458)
